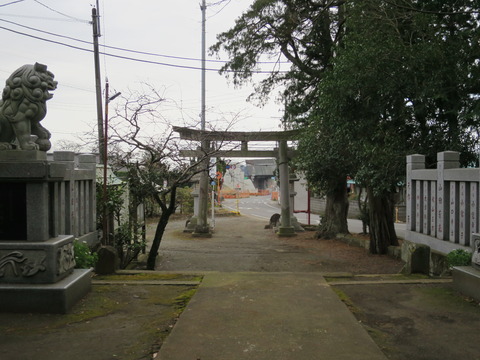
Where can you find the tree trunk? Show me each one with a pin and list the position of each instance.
(336, 211)
(382, 229)
(363, 207)
(160, 230)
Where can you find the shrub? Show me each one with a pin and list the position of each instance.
(459, 257)
(185, 200)
(84, 258)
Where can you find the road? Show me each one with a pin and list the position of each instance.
(262, 207)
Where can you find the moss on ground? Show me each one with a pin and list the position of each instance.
(182, 300)
(148, 277)
(131, 321)
(346, 300)
(446, 297)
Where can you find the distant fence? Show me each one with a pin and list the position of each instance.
(442, 204)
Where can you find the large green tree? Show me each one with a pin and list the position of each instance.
(306, 34)
(403, 81)
(370, 81)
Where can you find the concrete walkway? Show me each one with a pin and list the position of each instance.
(267, 316)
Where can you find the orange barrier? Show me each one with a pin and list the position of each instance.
(274, 196)
(243, 195)
(236, 196)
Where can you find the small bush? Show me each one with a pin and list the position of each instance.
(459, 257)
(84, 258)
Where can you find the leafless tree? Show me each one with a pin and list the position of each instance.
(149, 150)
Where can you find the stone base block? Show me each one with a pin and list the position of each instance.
(466, 279)
(202, 231)
(395, 252)
(286, 231)
(57, 298)
(26, 262)
(190, 225)
(416, 258)
(296, 225)
(90, 238)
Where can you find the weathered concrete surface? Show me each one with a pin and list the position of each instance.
(277, 316)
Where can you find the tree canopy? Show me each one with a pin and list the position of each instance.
(370, 82)
(302, 32)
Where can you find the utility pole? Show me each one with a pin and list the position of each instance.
(98, 83)
(106, 216)
(202, 228)
(204, 50)
(105, 227)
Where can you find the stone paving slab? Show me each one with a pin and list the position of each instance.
(267, 316)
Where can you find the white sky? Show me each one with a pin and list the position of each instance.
(167, 27)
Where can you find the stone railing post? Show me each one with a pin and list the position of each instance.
(65, 192)
(445, 160)
(414, 162)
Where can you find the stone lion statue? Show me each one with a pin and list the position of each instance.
(23, 106)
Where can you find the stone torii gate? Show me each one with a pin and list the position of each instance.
(282, 153)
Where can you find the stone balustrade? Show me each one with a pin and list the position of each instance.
(442, 204)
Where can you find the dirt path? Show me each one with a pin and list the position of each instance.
(243, 244)
(408, 321)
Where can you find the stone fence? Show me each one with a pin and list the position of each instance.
(73, 198)
(442, 205)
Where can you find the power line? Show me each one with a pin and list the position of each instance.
(60, 13)
(38, 17)
(129, 58)
(10, 3)
(124, 49)
(227, 2)
(46, 32)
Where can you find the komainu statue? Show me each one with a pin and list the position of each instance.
(23, 106)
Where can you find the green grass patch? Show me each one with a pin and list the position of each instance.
(332, 279)
(148, 277)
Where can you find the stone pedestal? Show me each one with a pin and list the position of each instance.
(43, 262)
(36, 263)
(58, 297)
(293, 219)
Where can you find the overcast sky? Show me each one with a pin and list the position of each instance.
(165, 27)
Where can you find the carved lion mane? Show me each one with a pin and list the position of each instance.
(23, 106)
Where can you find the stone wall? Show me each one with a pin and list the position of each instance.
(318, 207)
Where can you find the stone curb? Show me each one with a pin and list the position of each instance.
(386, 282)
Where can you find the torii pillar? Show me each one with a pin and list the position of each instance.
(286, 228)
